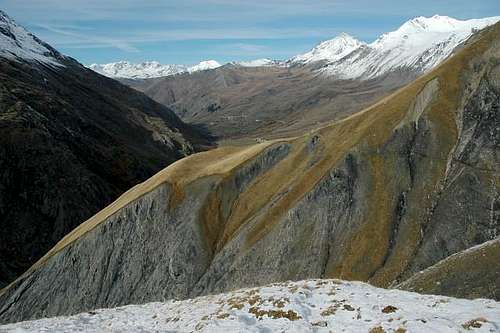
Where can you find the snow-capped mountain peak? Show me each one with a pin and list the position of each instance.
(204, 65)
(434, 23)
(263, 62)
(418, 45)
(148, 69)
(17, 43)
(330, 50)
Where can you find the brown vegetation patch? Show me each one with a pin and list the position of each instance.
(330, 311)
(275, 314)
(223, 316)
(474, 323)
(236, 303)
(348, 307)
(389, 309)
(280, 303)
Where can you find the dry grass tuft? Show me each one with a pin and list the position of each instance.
(275, 314)
(474, 323)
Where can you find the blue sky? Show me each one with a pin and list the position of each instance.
(188, 31)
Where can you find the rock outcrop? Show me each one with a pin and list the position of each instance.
(377, 196)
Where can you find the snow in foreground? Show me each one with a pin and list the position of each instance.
(306, 306)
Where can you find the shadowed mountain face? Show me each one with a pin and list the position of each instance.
(234, 101)
(378, 196)
(71, 141)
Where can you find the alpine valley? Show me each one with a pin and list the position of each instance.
(355, 187)
(335, 79)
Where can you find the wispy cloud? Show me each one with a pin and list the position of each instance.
(126, 41)
(80, 40)
(132, 26)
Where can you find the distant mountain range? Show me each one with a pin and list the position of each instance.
(419, 45)
(149, 69)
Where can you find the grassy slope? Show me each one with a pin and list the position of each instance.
(474, 270)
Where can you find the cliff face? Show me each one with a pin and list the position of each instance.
(377, 196)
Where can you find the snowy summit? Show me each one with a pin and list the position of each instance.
(149, 69)
(330, 50)
(305, 306)
(264, 62)
(17, 43)
(203, 66)
(419, 45)
(144, 70)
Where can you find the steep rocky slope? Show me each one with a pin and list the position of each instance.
(315, 306)
(71, 141)
(377, 196)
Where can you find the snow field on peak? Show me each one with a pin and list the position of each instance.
(419, 44)
(330, 50)
(203, 66)
(144, 70)
(17, 43)
(148, 69)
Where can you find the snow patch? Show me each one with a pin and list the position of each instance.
(330, 50)
(204, 65)
(264, 62)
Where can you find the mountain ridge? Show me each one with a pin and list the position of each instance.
(151, 69)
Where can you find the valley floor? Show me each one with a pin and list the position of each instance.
(306, 306)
